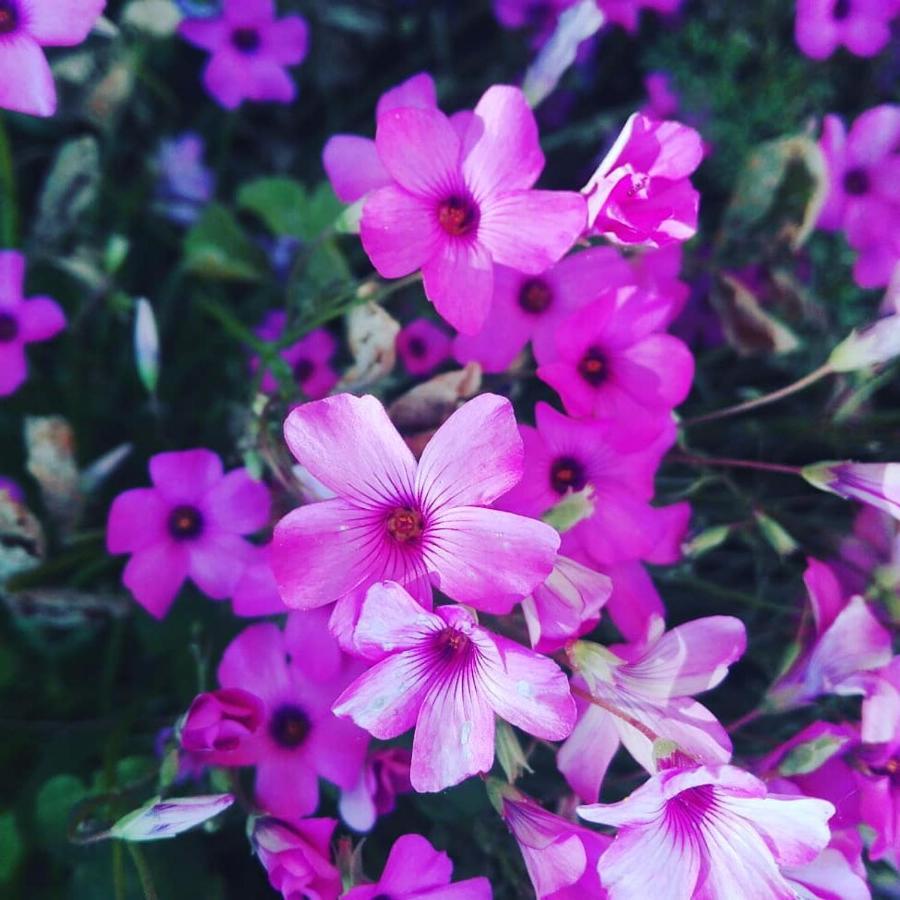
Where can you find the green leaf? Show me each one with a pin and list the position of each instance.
(70, 190)
(217, 247)
(10, 846)
(288, 209)
(509, 753)
(812, 755)
(53, 807)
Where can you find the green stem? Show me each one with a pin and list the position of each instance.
(729, 463)
(143, 870)
(118, 864)
(8, 214)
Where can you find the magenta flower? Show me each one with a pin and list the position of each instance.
(641, 193)
(460, 202)
(862, 26)
(309, 358)
(422, 346)
(530, 307)
(222, 728)
(611, 363)
(538, 16)
(26, 82)
(709, 831)
(251, 50)
(420, 525)
(656, 687)
(189, 524)
(255, 592)
(627, 12)
(296, 855)
(662, 101)
(385, 774)
(447, 677)
(297, 674)
(22, 321)
(416, 871)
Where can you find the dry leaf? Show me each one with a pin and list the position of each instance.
(50, 443)
(748, 327)
(371, 336)
(64, 608)
(22, 544)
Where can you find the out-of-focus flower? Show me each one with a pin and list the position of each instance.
(251, 51)
(414, 870)
(296, 855)
(159, 819)
(297, 674)
(384, 775)
(185, 185)
(189, 524)
(422, 346)
(447, 677)
(862, 26)
(26, 82)
(877, 484)
(707, 831)
(146, 344)
(22, 321)
(655, 685)
(12, 489)
(870, 346)
(418, 524)
(222, 727)
(870, 554)
(627, 12)
(461, 201)
(641, 192)
(530, 307)
(538, 16)
(662, 101)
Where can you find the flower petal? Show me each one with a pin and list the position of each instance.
(414, 866)
(390, 619)
(286, 785)
(217, 562)
(40, 319)
(399, 231)
(137, 519)
(26, 83)
(238, 502)
(155, 575)
(255, 661)
(417, 91)
(62, 23)
(586, 754)
(185, 475)
(459, 280)
(12, 276)
(353, 166)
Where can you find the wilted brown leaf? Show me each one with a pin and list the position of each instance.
(371, 336)
(748, 327)
(50, 444)
(22, 544)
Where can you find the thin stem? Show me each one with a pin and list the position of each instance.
(8, 213)
(729, 463)
(648, 733)
(118, 864)
(745, 719)
(765, 400)
(143, 870)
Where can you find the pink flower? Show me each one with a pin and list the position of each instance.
(530, 307)
(416, 871)
(352, 162)
(385, 774)
(21, 321)
(422, 346)
(297, 858)
(26, 82)
(297, 674)
(222, 727)
(610, 361)
(309, 358)
(662, 101)
(539, 16)
(461, 201)
(709, 831)
(626, 12)
(560, 856)
(420, 525)
(862, 26)
(187, 525)
(447, 677)
(255, 592)
(250, 51)
(641, 193)
(655, 685)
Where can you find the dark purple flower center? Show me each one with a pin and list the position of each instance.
(303, 368)
(856, 182)
(417, 347)
(185, 522)
(567, 473)
(842, 9)
(405, 525)
(9, 328)
(593, 367)
(535, 296)
(690, 807)
(245, 40)
(9, 17)
(458, 216)
(289, 726)
(451, 643)
(382, 897)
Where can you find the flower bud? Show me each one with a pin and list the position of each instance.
(877, 343)
(222, 727)
(158, 818)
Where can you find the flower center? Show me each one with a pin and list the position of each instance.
(691, 806)
(405, 524)
(9, 17)
(185, 522)
(9, 328)
(451, 643)
(856, 182)
(303, 368)
(289, 726)
(593, 367)
(841, 10)
(458, 215)
(567, 473)
(417, 347)
(245, 40)
(535, 296)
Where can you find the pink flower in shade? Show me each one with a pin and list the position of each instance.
(420, 525)
(560, 856)
(26, 82)
(654, 685)
(222, 728)
(309, 358)
(566, 605)
(21, 321)
(422, 346)
(256, 593)
(707, 831)
(862, 26)
(251, 50)
(447, 677)
(530, 307)
(416, 871)
(296, 855)
(611, 363)
(461, 202)
(626, 12)
(297, 674)
(385, 774)
(11, 489)
(189, 524)
(641, 193)
(538, 16)
(351, 161)
(662, 101)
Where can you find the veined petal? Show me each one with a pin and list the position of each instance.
(399, 231)
(459, 281)
(390, 619)
(587, 752)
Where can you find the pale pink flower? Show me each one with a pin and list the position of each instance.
(877, 484)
